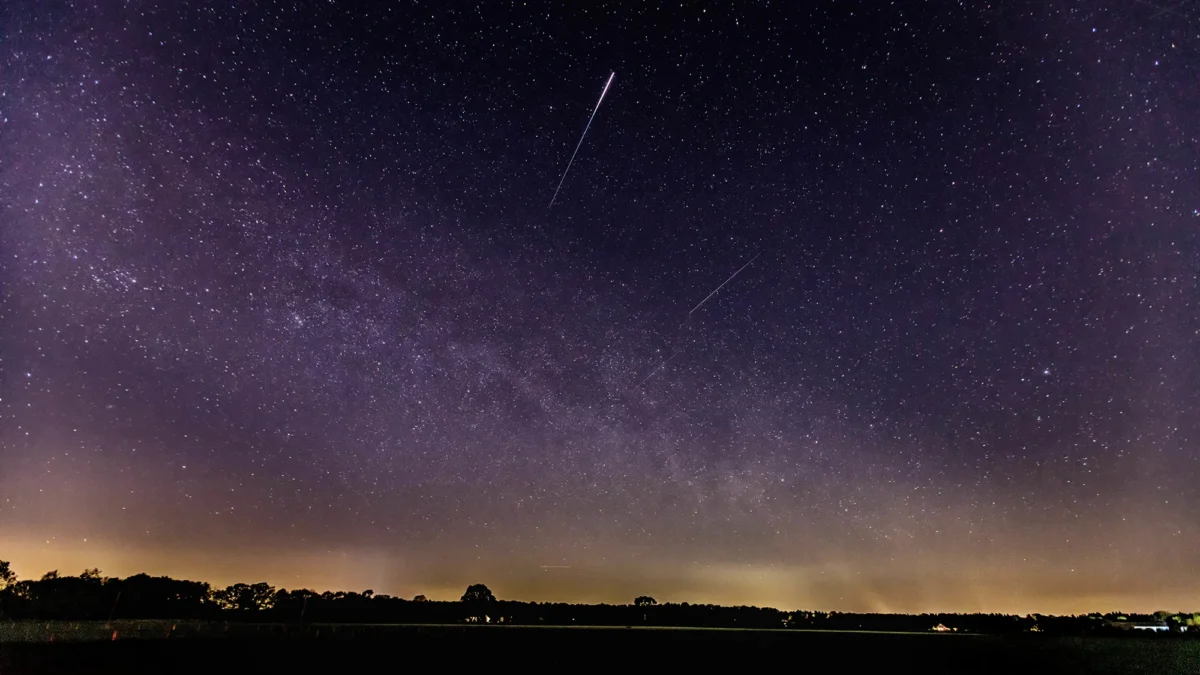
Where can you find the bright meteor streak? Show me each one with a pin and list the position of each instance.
(581, 137)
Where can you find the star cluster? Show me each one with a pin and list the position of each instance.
(282, 298)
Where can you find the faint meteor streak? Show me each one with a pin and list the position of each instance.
(698, 306)
(581, 137)
(657, 368)
(723, 284)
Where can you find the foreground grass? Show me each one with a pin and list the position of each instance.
(207, 647)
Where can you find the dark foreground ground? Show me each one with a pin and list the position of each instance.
(395, 648)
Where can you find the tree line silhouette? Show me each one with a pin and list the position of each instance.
(91, 596)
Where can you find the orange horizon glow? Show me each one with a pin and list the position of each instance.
(764, 586)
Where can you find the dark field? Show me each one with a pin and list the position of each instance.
(349, 649)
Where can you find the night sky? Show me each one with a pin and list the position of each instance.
(283, 300)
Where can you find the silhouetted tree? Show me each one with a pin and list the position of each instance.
(420, 598)
(478, 601)
(7, 580)
(59, 597)
(644, 601)
(478, 594)
(147, 597)
(246, 597)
